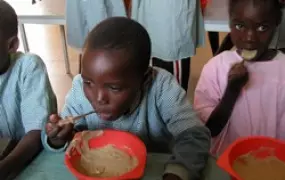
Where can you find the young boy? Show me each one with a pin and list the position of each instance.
(128, 95)
(26, 97)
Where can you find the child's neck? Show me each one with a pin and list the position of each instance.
(135, 104)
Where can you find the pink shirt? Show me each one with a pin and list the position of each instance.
(260, 108)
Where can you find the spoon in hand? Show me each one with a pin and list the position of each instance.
(71, 119)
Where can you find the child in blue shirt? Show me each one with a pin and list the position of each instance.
(128, 95)
(26, 97)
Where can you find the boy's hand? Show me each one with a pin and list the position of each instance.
(171, 177)
(58, 135)
(238, 77)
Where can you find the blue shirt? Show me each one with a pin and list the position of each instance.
(176, 28)
(163, 116)
(26, 96)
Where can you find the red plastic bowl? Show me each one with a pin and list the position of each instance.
(119, 139)
(245, 145)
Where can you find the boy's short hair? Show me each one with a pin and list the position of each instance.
(8, 20)
(120, 33)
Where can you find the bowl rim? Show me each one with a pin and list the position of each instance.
(127, 175)
(224, 159)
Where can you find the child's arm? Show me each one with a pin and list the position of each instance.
(28, 147)
(37, 102)
(191, 139)
(215, 109)
(221, 114)
(71, 108)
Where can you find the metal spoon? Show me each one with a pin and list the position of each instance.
(71, 119)
(248, 55)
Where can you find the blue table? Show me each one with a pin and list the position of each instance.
(50, 166)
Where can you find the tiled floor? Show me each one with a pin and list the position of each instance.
(45, 41)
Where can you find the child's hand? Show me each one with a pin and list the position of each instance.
(58, 135)
(238, 77)
(171, 177)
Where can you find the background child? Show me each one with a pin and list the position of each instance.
(128, 95)
(237, 99)
(26, 97)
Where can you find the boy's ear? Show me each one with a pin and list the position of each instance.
(13, 44)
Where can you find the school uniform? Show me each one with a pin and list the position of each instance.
(259, 109)
(26, 96)
(163, 118)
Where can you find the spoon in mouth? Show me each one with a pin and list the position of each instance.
(248, 55)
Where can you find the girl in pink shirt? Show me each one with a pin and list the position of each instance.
(238, 98)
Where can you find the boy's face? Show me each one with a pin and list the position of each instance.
(7, 46)
(4, 57)
(252, 26)
(110, 83)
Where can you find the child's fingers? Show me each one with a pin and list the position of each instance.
(49, 127)
(53, 133)
(65, 132)
(54, 118)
